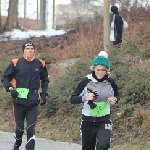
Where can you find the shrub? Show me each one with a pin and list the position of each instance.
(60, 91)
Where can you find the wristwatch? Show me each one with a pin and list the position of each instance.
(11, 88)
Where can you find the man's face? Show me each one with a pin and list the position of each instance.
(29, 51)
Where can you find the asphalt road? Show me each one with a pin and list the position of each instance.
(7, 140)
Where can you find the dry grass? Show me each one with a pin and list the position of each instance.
(63, 126)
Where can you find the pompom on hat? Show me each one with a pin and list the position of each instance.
(103, 53)
(101, 59)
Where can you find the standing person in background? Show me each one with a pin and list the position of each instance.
(116, 26)
(97, 91)
(23, 78)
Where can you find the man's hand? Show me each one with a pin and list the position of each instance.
(43, 97)
(14, 93)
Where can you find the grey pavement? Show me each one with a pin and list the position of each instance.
(7, 140)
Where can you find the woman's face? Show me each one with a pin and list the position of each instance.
(100, 71)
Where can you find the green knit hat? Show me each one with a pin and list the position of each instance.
(101, 60)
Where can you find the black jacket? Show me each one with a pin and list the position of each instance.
(81, 91)
(24, 74)
(118, 27)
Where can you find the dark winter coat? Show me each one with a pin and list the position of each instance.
(32, 75)
(118, 28)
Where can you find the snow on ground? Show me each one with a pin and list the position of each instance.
(19, 35)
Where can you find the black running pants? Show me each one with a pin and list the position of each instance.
(93, 132)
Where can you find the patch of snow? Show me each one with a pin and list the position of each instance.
(19, 35)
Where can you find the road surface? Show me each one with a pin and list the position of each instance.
(7, 140)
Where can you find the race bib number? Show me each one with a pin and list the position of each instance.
(23, 92)
(99, 110)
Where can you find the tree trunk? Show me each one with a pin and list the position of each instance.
(42, 14)
(25, 18)
(53, 26)
(12, 20)
(0, 15)
(106, 25)
(37, 19)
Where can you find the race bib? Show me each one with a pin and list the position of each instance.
(99, 110)
(23, 92)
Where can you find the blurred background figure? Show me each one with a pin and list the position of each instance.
(116, 26)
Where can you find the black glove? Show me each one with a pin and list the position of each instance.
(92, 105)
(14, 93)
(43, 97)
(90, 102)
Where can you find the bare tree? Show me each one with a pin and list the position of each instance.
(106, 25)
(12, 20)
(53, 26)
(42, 14)
(37, 14)
(0, 14)
(25, 8)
